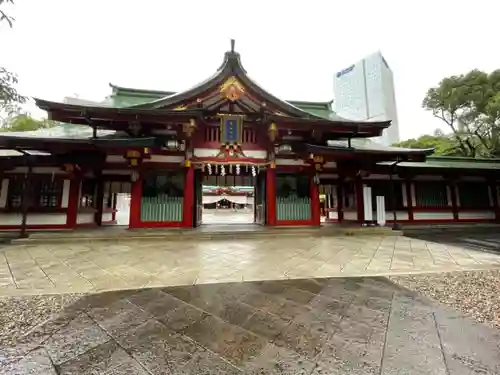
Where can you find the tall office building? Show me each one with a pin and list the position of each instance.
(365, 91)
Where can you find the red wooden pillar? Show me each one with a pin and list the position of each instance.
(74, 195)
(135, 204)
(271, 194)
(494, 200)
(360, 207)
(315, 203)
(188, 201)
(114, 199)
(454, 200)
(409, 200)
(340, 200)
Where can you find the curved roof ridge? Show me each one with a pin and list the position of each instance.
(113, 86)
(328, 102)
(231, 66)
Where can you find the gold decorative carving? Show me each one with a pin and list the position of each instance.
(181, 107)
(231, 151)
(232, 89)
(189, 128)
(272, 131)
(318, 161)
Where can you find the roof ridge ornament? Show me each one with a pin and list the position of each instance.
(232, 45)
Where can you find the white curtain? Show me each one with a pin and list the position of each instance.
(209, 199)
(238, 199)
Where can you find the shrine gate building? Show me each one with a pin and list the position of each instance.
(160, 147)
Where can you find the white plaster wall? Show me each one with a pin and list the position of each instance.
(350, 215)
(484, 215)
(165, 159)
(212, 152)
(107, 216)
(4, 192)
(88, 217)
(65, 194)
(400, 215)
(404, 195)
(330, 165)
(85, 218)
(295, 162)
(33, 219)
(433, 215)
(333, 215)
(115, 159)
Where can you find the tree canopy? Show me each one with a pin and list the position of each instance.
(469, 105)
(24, 122)
(10, 98)
(443, 144)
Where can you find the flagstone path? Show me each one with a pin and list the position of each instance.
(88, 266)
(343, 326)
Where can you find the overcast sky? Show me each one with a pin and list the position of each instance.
(65, 47)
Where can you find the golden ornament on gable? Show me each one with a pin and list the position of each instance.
(232, 89)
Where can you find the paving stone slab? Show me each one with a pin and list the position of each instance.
(325, 326)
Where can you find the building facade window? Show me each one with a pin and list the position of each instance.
(45, 192)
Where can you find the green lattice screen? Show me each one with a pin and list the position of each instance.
(162, 196)
(431, 194)
(473, 195)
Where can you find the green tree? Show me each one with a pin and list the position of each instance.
(24, 122)
(443, 144)
(10, 98)
(469, 104)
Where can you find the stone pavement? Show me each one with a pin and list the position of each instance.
(226, 216)
(343, 326)
(113, 265)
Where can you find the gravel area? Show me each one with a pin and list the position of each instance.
(476, 294)
(20, 314)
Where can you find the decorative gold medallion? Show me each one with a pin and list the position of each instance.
(232, 89)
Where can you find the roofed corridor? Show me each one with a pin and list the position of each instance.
(86, 266)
